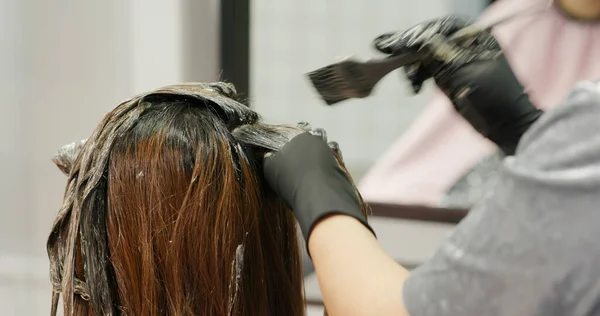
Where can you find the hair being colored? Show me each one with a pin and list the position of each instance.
(166, 212)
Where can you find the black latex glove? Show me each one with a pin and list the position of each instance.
(308, 178)
(473, 72)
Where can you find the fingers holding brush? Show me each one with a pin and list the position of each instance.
(414, 38)
(445, 46)
(397, 43)
(417, 39)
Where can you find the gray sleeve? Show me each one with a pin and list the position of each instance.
(529, 246)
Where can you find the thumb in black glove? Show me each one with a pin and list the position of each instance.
(413, 39)
(473, 72)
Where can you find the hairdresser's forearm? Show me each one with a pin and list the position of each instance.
(355, 274)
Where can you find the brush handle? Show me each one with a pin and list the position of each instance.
(379, 68)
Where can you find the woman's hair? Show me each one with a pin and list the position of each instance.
(166, 212)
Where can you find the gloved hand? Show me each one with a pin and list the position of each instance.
(473, 72)
(308, 178)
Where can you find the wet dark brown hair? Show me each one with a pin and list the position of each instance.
(166, 212)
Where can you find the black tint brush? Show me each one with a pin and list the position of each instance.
(354, 79)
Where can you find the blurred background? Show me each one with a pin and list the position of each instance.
(65, 63)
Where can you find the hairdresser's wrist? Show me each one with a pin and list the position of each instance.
(507, 121)
(508, 137)
(324, 194)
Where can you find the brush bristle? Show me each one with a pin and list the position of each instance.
(329, 84)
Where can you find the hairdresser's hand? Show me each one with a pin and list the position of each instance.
(473, 72)
(307, 176)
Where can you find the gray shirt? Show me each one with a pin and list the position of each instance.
(532, 244)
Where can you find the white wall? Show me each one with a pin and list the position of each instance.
(63, 65)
